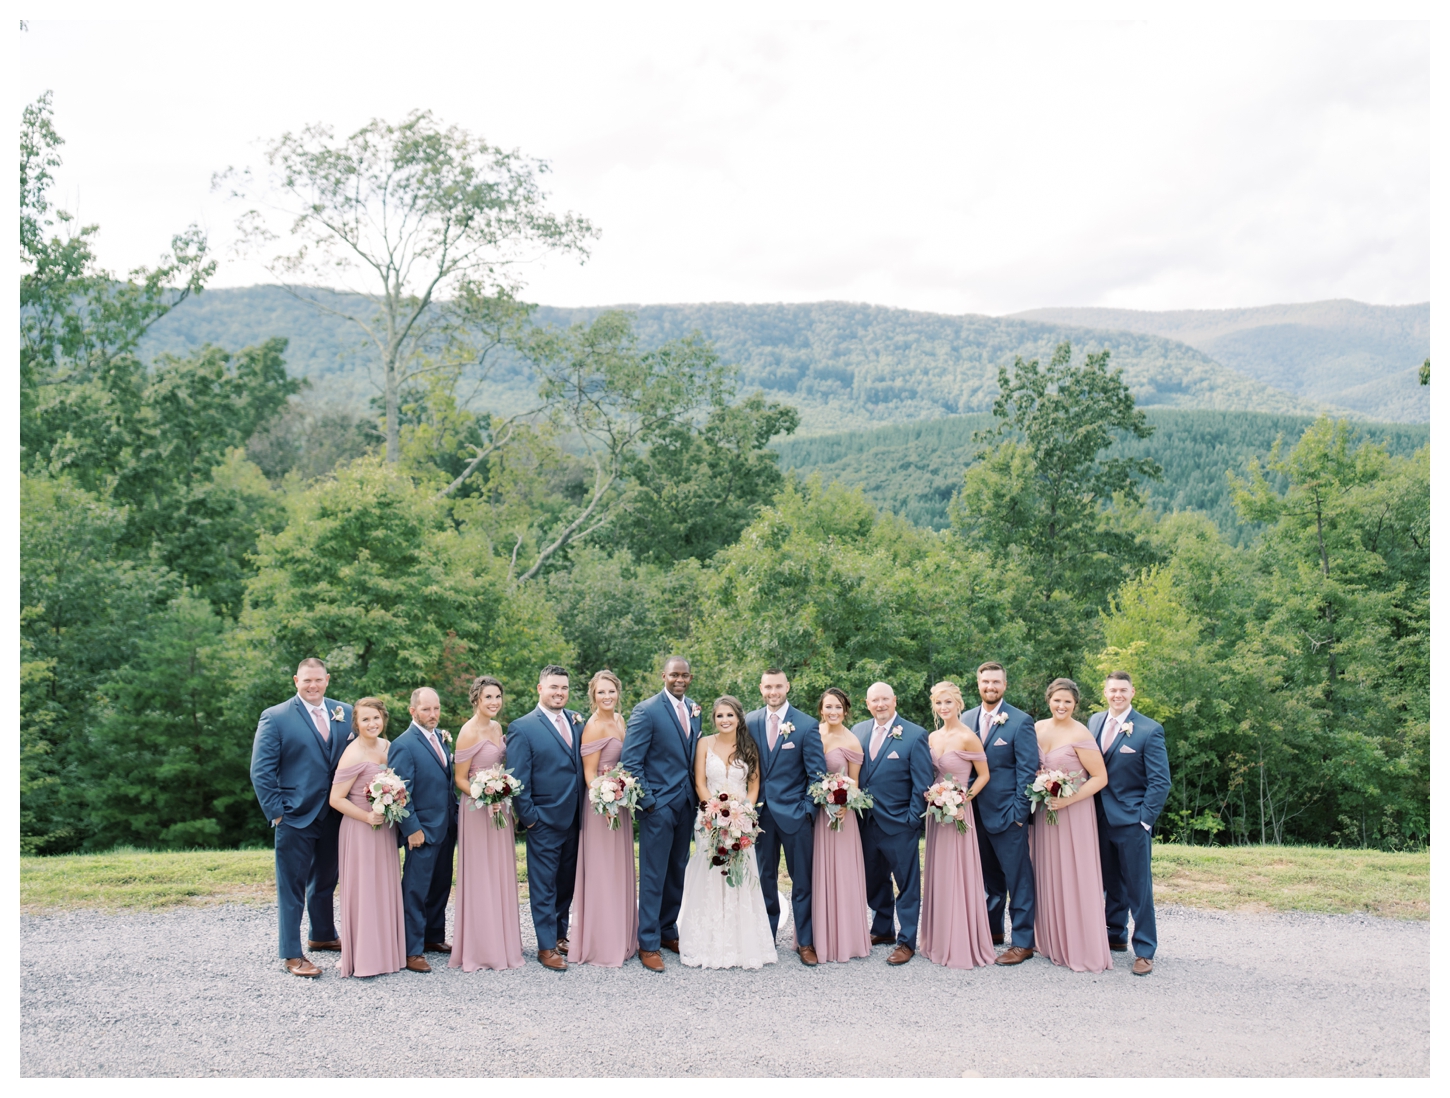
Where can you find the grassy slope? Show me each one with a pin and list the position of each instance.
(1227, 878)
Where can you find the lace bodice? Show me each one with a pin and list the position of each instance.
(717, 778)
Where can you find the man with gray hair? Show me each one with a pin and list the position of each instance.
(420, 756)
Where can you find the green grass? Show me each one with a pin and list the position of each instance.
(1241, 878)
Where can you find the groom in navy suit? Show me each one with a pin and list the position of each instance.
(1136, 756)
(543, 753)
(1001, 811)
(789, 743)
(420, 756)
(659, 749)
(294, 755)
(897, 772)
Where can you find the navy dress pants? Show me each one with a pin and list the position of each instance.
(800, 850)
(427, 880)
(664, 851)
(892, 857)
(1127, 855)
(306, 876)
(1007, 869)
(552, 855)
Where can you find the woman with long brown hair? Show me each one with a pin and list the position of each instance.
(838, 870)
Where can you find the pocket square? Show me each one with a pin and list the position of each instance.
(999, 742)
(787, 747)
(1126, 750)
(893, 755)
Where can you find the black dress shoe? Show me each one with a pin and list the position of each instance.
(999, 939)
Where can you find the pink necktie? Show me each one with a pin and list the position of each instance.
(563, 729)
(437, 750)
(320, 719)
(774, 729)
(1110, 729)
(878, 737)
(684, 720)
(984, 722)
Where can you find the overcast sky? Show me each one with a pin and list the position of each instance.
(955, 168)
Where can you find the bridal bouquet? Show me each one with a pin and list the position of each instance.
(494, 789)
(611, 791)
(948, 802)
(839, 791)
(728, 828)
(387, 794)
(1052, 783)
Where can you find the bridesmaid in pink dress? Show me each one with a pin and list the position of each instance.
(370, 921)
(954, 928)
(605, 929)
(486, 904)
(838, 872)
(1071, 925)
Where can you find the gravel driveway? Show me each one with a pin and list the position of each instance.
(199, 992)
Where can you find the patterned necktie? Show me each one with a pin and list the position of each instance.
(1110, 729)
(774, 729)
(563, 730)
(319, 718)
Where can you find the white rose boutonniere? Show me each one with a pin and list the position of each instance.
(786, 728)
(694, 709)
(444, 736)
(337, 714)
(999, 718)
(895, 733)
(577, 719)
(1126, 728)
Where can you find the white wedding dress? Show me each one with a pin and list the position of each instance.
(721, 926)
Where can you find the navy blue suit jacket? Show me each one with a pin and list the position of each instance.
(658, 752)
(898, 777)
(1012, 761)
(551, 771)
(432, 796)
(787, 772)
(1138, 777)
(292, 767)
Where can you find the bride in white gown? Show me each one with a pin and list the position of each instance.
(721, 926)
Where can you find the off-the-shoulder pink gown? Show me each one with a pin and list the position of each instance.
(605, 927)
(839, 918)
(954, 929)
(486, 904)
(1072, 928)
(370, 895)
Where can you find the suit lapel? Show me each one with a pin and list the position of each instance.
(1127, 718)
(324, 746)
(428, 747)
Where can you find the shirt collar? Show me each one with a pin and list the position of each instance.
(1120, 717)
(549, 713)
(888, 724)
(991, 710)
(778, 712)
(307, 705)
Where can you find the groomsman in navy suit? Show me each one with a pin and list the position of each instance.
(791, 758)
(659, 749)
(421, 757)
(1136, 756)
(1001, 811)
(897, 772)
(294, 755)
(543, 753)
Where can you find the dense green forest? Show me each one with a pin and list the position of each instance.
(191, 527)
(1344, 353)
(914, 469)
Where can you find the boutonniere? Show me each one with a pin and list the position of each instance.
(443, 734)
(694, 709)
(1126, 728)
(895, 733)
(786, 728)
(999, 718)
(337, 714)
(576, 718)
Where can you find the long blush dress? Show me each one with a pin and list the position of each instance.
(370, 895)
(839, 918)
(1072, 929)
(486, 908)
(954, 928)
(605, 927)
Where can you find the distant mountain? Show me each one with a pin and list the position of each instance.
(1344, 353)
(845, 366)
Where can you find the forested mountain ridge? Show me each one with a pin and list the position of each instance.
(1347, 353)
(845, 366)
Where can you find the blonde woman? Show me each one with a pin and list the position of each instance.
(605, 930)
(954, 928)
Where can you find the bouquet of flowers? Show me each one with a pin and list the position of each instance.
(1049, 784)
(611, 791)
(948, 802)
(839, 791)
(389, 795)
(494, 789)
(729, 828)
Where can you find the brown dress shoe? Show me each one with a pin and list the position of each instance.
(437, 947)
(1142, 966)
(882, 939)
(563, 946)
(808, 956)
(999, 939)
(301, 966)
(1015, 956)
(550, 958)
(900, 955)
(672, 944)
(1118, 947)
(418, 964)
(652, 960)
(335, 945)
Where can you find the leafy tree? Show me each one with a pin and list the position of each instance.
(427, 221)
